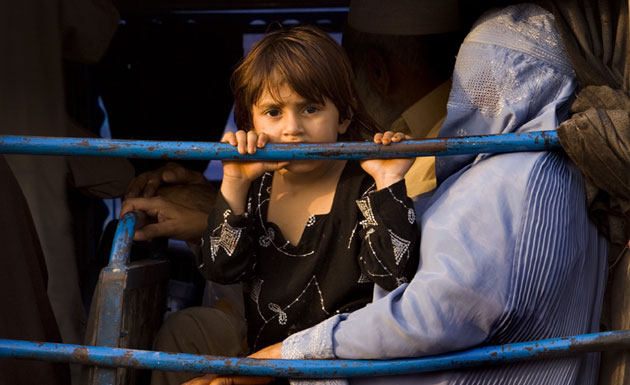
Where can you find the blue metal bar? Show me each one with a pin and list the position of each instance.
(123, 240)
(109, 309)
(533, 141)
(142, 359)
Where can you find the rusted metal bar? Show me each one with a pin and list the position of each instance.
(142, 359)
(113, 283)
(532, 141)
(123, 240)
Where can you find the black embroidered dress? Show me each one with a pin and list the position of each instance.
(368, 237)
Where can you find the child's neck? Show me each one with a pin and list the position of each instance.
(295, 197)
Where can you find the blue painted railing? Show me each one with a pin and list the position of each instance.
(143, 359)
(532, 141)
(114, 357)
(123, 240)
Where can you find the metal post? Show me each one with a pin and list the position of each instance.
(110, 297)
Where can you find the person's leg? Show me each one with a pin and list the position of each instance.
(199, 330)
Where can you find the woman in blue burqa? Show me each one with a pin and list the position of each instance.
(508, 252)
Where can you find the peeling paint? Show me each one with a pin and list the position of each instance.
(81, 354)
(532, 141)
(491, 355)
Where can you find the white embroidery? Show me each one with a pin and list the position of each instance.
(249, 208)
(369, 190)
(311, 221)
(363, 278)
(282, 316)
(229, 238)
(256, 287)
(214, 247)
(269, 238)
(411, 216)
(373, 274)
(400, 245)
(352, 234)
(264, 241)
(281, 313)
(366, 209)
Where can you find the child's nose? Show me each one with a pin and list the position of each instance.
(293, 124)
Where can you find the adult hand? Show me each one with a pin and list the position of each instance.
(199, 197)
(386, 172)
(270, 352)
(147, 184)
(172, 220)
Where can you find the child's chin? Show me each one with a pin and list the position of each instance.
(300, 166)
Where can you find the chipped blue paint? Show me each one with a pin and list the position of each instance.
(110, 299)
(532, 141)
(142, 359)
(123, 240)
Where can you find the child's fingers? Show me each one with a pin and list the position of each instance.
(399, 136)
(252, 139)
(229, 137)
(387, 137)
(241, 141)
(263, 139)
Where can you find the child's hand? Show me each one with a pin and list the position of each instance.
(388, 171)
(247, 143)
(239, 174)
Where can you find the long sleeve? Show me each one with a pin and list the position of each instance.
(227, 252)
(390, 236)
(507, 252)
(526, 264)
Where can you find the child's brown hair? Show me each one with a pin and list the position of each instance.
(313, 65)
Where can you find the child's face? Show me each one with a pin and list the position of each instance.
(294, 119)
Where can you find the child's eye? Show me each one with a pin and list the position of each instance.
(273, 112)
(311, 110)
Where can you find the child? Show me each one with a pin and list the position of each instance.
(308, 238)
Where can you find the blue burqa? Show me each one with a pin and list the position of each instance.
(507, 253)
